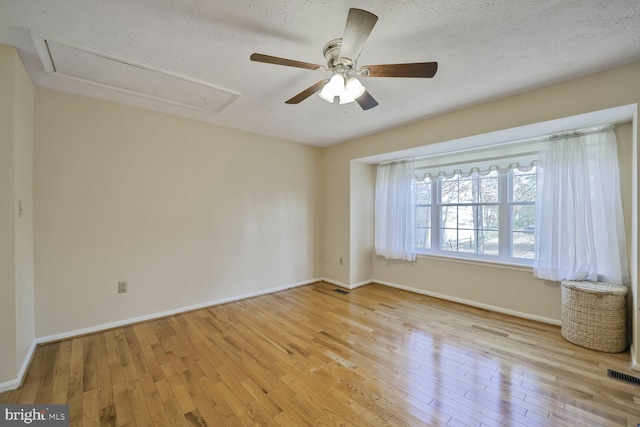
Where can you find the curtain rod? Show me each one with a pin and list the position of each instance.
(577, 132)
(548, 137)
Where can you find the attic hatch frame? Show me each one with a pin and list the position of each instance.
(44, 51)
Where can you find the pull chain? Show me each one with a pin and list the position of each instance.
(344, 112)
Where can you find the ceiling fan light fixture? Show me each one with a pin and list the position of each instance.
(353, 90)
(347, 90)
(334, 87)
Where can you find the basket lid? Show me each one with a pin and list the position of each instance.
(596, 287)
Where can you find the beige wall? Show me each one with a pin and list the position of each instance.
(23, 142)
(507, 289)
(7, 232)
(336, 174)
(185, 212)
(362, 182)
(624, 136)
(16, 232)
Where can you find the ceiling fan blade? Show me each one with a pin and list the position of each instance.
(366, 101)
(356, 32)
(307, 92)
(258, 57)
(415, 69)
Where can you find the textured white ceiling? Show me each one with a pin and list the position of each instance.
(486, 49)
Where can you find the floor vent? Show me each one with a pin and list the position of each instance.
(623, 377)
(340, 291)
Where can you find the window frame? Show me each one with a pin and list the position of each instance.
(505, 204)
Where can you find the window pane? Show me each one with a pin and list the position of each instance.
(473, 189)
(489, 218)
(523, 218)
(466, 217)
(449, 228)
(449, 217)
(488, 242)
(423, 238)
(423, 192)
(488, 233)
(470, 229)
(449, 239)
(489, 188)
(522, 245)
(449, 186)
(466, 190)
(522, 235)
(423, 226)
(524, 185)
(466, 241)
(423, 216)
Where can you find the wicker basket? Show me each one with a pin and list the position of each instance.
(594, 315)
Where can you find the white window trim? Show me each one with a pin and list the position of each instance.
(505, 228)
(477, 261)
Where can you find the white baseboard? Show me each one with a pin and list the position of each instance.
(26, 362)
(357, 285)
(335, 282)
(119, 323)
(450, 298)
(9, 385)
(472, 303)
(14, 384)
(344, 285)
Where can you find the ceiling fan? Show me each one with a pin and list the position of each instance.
(342, 55)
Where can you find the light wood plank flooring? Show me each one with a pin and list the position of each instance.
(311, 356)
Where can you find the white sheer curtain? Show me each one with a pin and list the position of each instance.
(395, 225)
(579, 224)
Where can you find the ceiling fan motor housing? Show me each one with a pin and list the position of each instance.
(331, 52)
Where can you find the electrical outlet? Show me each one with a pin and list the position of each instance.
(122, 287)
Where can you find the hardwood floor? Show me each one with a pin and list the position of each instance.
(311, 356)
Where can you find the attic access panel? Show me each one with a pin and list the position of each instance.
(79, 63)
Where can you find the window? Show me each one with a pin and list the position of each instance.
(469, 213)
(479, 215)
(522, 212)
(423, 214)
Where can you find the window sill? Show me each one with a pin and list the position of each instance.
(506, 265)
